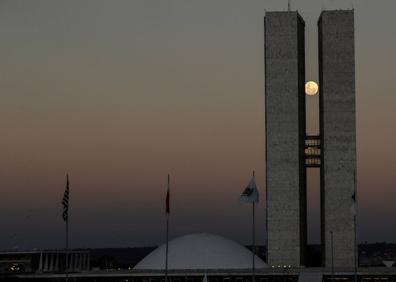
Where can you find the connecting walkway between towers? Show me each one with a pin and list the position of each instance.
(312, 151)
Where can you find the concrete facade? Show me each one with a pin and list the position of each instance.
(46, 261)
(338, 136)
(285, 134)
(55, 261)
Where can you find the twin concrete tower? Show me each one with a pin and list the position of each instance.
(290, 151)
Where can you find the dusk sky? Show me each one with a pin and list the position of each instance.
(120, 93)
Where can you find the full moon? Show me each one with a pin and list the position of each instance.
(311, 88)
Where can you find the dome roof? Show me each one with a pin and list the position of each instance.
(201, 251)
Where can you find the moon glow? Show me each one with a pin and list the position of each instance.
(311, 88)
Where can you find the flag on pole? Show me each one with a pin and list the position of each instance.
(65, 201)
(167, 208)
(353, 208)
(354, 196)
(250, 194)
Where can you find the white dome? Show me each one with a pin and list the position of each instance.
(201, 251)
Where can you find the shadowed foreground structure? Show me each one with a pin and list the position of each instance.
(222, 262)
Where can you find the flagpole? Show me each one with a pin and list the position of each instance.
(67, 232)
(167, 231)
(332, 255)
(250, 195)
(166, 256)
(253, 245)
(253, 240)
(356, 250)
(67, 249)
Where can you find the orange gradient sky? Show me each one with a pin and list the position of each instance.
(121, 93)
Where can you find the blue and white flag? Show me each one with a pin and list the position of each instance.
(250, 194)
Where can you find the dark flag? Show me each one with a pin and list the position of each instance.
(65, 201)
(354, 197)
(167, 209)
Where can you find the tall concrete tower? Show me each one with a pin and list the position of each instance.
(290, 152)
(338, 135)
(285, 135)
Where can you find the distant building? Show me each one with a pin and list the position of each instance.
(285, 137)
(338, 135)
(195, 255)
(290, 151)
(200, 251)
(46, 261)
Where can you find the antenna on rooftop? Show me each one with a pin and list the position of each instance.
(288, 5)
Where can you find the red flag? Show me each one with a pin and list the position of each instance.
(167, 210)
